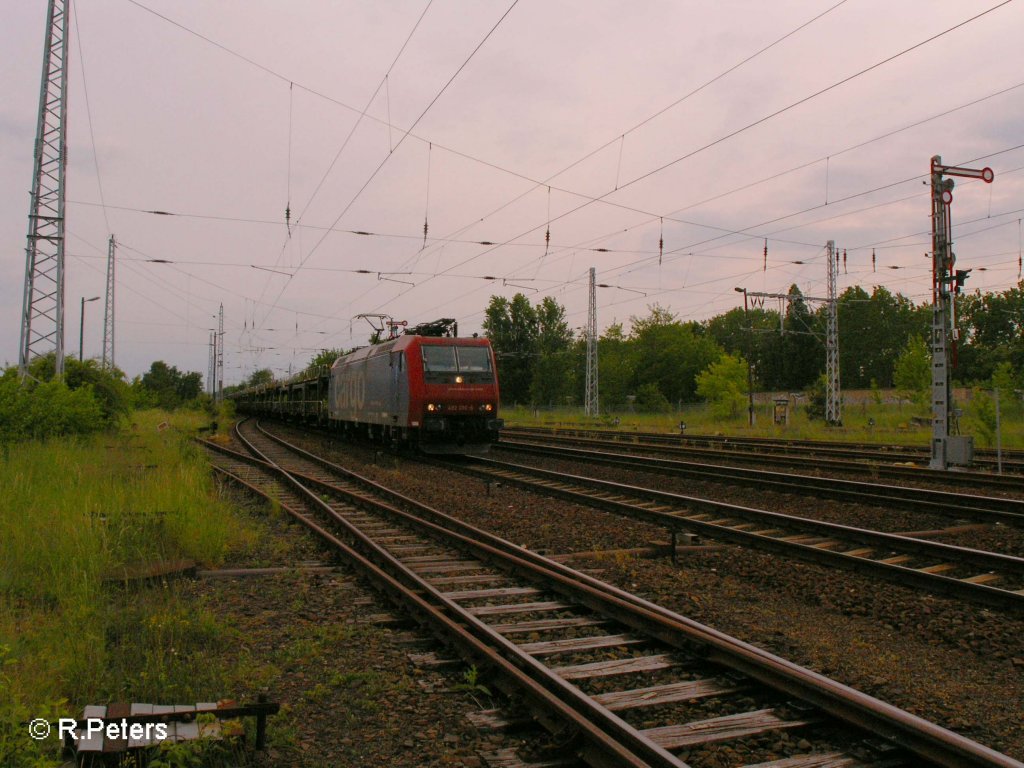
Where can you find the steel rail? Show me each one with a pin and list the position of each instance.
(613, 742)
(867, 451)
(569, 486)
(992, 509)
(725, 453)
(921, 737)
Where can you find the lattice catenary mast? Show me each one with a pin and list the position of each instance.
(833, 398)
(108, 311)
(833, 393)
(211, 374)
(591, 406)
(42, 318)
(219, 395)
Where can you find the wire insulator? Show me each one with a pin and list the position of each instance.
(661, 242)
(547, 234)
(426, 228)
(844, 261)
(872, 259)
(765, 267)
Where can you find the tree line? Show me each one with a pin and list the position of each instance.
(660, 360)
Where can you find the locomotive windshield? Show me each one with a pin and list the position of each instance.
(438, 359)
(474, 359)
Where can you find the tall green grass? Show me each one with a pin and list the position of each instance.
(77, 510)
(77, 515)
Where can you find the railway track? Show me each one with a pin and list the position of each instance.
(943, 569)
(878, 463)
(587, 657)
(1012, 459)
(958, 506)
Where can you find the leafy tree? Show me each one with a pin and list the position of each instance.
(724, 385)
(325, 357)
(754, 334)
(512, 328)
(913, 374)
(873, 331)
(650, 398)
(167, 387)
(260, 377)
(983, 413)
(670, 354)
(991, 332)
(802, 349)
(816, 395)
(1008, 384)
(615, 365)
(552, 379)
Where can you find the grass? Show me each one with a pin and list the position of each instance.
(77, 512)
(868, 421)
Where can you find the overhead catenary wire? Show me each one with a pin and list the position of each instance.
(288, 197)
(549, 246)
(591, 241)
(748, 126)
(642, 122)
(383, 162)
(88, 116)
(426, 211)
(488, 277)
(752, 56)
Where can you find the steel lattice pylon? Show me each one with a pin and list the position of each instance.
(42, 319)
(108, 311)
(219, 382)
(833, 398)
(591, 406)
(211, 375)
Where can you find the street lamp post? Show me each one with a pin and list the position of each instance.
(750, 369)
(81, 328)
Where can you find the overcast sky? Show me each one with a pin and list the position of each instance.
(712, 126)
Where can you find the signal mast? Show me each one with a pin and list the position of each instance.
(947, 282)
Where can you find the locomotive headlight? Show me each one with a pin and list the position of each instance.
(487, 407)
(431, 407)
(458, 379)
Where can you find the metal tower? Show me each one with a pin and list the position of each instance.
(946, 283)
(211, 373)
(42, 316)
(220, 355)
(833, 397)
(591, 406)
(108, 311)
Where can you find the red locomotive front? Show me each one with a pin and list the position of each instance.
(453, 394)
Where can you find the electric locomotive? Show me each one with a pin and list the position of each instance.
(439, 394)
(427, 389)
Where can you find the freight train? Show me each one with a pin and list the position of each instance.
(438, 394)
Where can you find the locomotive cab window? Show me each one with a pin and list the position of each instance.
(439, 359)
(474, 359)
